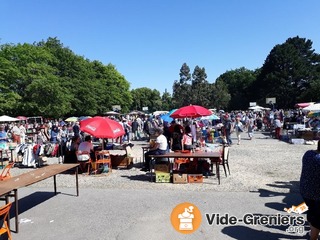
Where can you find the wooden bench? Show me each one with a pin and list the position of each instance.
(9, 187)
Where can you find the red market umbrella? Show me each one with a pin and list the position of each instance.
(303, 105)
(23, 118)
(100, 127)
(192, 111)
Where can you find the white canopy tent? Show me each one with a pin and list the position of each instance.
(313, 107)
(111, 113)
(6, 118)
(156, 113)
(257, 108)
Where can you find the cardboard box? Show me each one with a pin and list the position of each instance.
(161, 168)
(195, 178)
(308, 135)
(121, 161)
(180, 178)
(162, 177)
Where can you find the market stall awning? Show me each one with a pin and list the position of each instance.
(6, 118)
(303, 105)
(313, 107)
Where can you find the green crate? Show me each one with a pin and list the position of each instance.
(162, 177)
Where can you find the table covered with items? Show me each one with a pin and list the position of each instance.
(187, 166)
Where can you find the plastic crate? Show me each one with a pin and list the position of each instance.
(162, 177)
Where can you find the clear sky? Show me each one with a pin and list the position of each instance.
(149, 40)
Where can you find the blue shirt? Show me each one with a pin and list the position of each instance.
(310, 175)
(3, 134)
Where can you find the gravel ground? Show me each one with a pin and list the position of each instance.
(260, 163)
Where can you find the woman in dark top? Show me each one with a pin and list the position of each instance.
(310, 189)
(176, 139)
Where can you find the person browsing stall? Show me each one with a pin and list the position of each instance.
(87, 146)
(159, 148)
(176, 139)
(227, 127)
(239, 129)
(310, 189)
(3, 139)
(187, 140)
(16, 133)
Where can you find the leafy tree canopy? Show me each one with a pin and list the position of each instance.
(48, 79)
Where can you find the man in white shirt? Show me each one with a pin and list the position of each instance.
(16, 134)
(160, 147)
(277, 126)
(22, 134)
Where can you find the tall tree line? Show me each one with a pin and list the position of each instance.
(46, 78)
(290, 73)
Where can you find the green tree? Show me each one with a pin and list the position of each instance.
(238, 83)
(201, 89)
(47, 98)
(289, 70)
(49, 79)
(117, 90)
(9, 99)
(220, 96)
(166, 101)
(145, 97)
(182, 88)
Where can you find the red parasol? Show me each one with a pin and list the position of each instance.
(100, 127)
(23, 118)
(303, 105)
(193, 111)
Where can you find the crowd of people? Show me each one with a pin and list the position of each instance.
(184, 134)
(144, 126)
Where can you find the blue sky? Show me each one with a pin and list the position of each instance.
(149, 40)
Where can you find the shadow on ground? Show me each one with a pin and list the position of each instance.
(245, 233)
(290, 197)
(31, 201)
(141, 177)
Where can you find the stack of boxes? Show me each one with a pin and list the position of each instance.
(186, 172)
(183, 172)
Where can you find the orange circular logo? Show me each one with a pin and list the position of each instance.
(186, 218)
